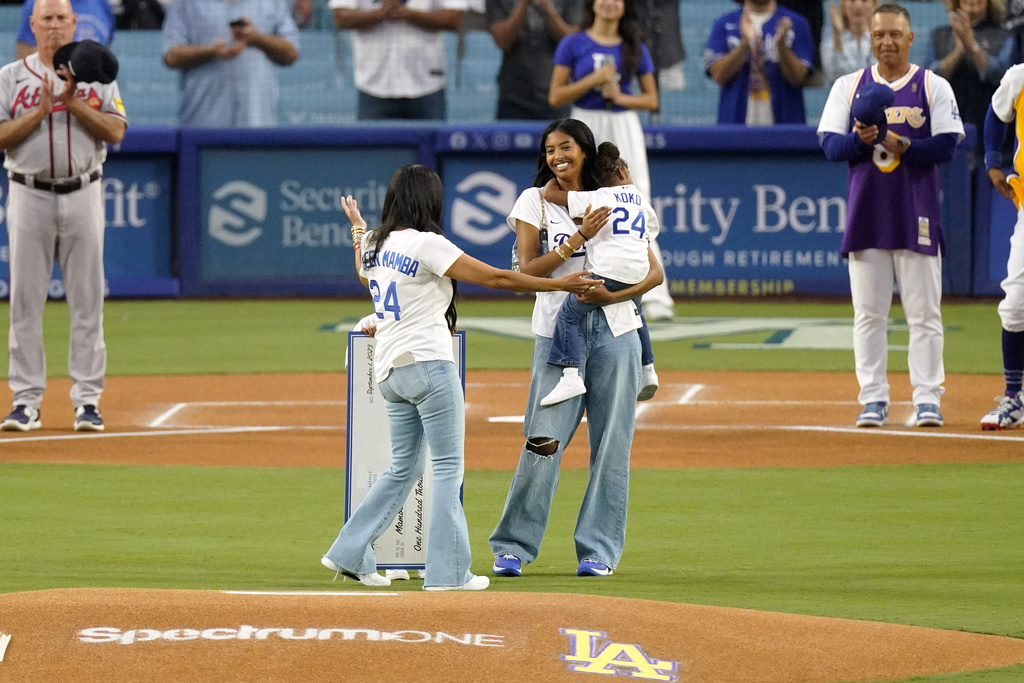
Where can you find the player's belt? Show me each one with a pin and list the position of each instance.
(56, 186)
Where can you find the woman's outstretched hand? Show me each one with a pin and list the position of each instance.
(351, 208)
(579, 283)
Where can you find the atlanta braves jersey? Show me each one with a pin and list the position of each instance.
(60, 147)
(893, 205)
(410, 295)
(619, 249)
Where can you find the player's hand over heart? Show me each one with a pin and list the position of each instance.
(46, 95)
(70, 90)
(867, 134)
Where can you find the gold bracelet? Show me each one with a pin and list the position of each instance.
(561, 254)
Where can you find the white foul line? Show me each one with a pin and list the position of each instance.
(691, 393)
(326, 594)
(167, 415)
(841, 430)
(168, 432)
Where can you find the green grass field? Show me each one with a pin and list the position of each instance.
(937, 545)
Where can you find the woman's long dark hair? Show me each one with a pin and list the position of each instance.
(630, 30)
(583, 136)
(415, 201)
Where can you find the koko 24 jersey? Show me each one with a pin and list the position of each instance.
(410, 296)
(60, 147)
(619, 249)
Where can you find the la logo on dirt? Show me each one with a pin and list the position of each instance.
(591, 653)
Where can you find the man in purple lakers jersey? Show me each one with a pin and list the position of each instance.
(1006, 108)
(892, 225)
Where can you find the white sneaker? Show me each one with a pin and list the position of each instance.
(477, 583)
(373, 579)
(396, 574)
(648, 383)
(567, 387)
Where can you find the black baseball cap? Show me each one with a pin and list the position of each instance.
(88, 61)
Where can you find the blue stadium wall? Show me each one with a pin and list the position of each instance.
(744, 212)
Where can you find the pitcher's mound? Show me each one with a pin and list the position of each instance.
(164, 635)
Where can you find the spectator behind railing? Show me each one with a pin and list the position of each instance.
(527, 32)
(398, 54)
(95, 22)
(849, 48)
(226, 53)
(760, 55)
(664, 38)
(138, 15)
(602, 62)
(813, 12)
(967, 54)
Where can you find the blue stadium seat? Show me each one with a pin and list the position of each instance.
(10, 17)
(148, 86)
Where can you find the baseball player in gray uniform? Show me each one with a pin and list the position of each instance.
(54, 134)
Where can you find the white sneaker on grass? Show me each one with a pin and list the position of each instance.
(477, 583)
(374, 580)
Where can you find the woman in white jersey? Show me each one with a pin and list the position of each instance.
(409, 268)
(610, 365)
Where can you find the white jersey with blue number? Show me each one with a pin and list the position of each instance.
(410, 296)
(619, 249)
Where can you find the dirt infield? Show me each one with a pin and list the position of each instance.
(704, 419)
(86, 634)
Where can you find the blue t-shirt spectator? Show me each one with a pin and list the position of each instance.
(95, 22)
(787, 100)
(582, 55)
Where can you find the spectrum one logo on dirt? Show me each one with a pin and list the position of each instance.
(109, 634)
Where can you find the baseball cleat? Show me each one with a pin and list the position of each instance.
(88, 419)
(507, 565)
(373, 580)
(928, 415)
(874, 415)
(477, 583)
(1007, 415)
(648, 383)
(567, 387)
(22, 419)
(593, 568)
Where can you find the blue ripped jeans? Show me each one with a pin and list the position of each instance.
(565, 344)
(611, 372)
(426, 407)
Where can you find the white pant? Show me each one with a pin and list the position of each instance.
(624, 130)
(920, 285)
(1011, 308)
(39, 225)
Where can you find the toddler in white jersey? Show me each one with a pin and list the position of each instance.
(618, 254)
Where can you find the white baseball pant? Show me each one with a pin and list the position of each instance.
(40, 226)
(1011, 308)
(920, 284)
